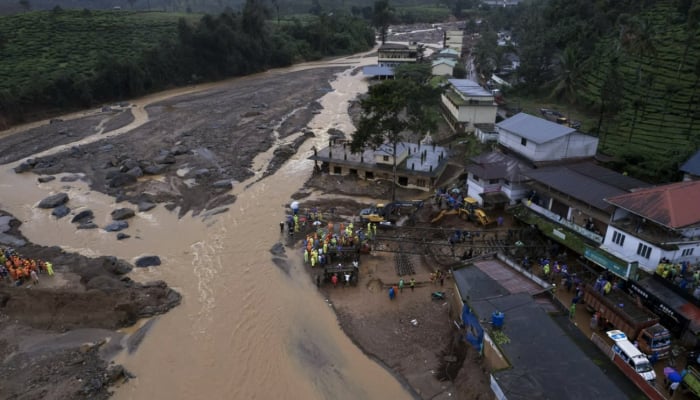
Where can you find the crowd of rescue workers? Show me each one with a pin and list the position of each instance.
(17, 270)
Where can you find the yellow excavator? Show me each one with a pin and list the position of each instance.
(469, 210)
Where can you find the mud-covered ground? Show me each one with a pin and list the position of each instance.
(56, 336)
(202, 143)
(196, 147)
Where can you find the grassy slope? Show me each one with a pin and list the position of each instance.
(45, 45)
(661, 131)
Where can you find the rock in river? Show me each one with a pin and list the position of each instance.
(122, 213)
(60, 211)
(54, 200)
(83, 217)
(116, 226)
(148, 261)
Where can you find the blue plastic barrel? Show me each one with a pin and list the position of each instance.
(497, 319)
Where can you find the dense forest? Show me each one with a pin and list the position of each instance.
(632, 64)
(65, 59)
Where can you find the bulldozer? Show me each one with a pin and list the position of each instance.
(390, 213)
(471, 211)
(468, 210)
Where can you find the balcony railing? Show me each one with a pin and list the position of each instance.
(563, 222)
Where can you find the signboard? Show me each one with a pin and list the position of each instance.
(559, 234)
(671, 319)
(599, 257)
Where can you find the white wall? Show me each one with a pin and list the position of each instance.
(570, 146)
(442, 69)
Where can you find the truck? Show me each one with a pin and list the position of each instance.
(621, 311)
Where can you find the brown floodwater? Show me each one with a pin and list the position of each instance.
(246, 329)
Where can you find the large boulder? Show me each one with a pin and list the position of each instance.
(44, 179)
(60, 211)
(122, 213)
(54, 200)
(116, 226)
(82, 217)
(122, 179)
(136, 172)
(146, 206)
(148, 261)
(116, 266)
(154, 169)
(223, 184)
(122, 236)
(165, 158)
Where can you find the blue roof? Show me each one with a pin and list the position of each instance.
(534, 129)
(692, 166)
(377, 70)
(469, 88)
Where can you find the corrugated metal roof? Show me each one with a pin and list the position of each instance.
(447, 61)
(675, 205)
(377, 70)
(496, 165)
(692, 166)
(608, 176)
(449, 52)
(535, 129)
(581, 182)
(469, 88)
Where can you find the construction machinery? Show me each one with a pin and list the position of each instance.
(468, 210)
(390, 213)
(471, 211)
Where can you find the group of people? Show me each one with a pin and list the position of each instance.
(17, 270)
(395, 289)
(683, 274)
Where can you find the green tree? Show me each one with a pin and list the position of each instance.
(391, 110)
(567, 75)
(459, 71)
(382, 17)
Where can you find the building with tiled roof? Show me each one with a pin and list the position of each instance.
(652, 224)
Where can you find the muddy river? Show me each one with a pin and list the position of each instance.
(246, 328)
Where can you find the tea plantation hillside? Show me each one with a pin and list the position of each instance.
(41, 47)
(651, 79)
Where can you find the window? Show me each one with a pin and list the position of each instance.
(493, 181)
(506, 182)
(687, 252)
(403, 180)
(385, 158)
(644, 250)
(523, 141)
(476, 178)
(337, 170)
(369, 175)
(618, 238)
(353, 171)
(420, 182)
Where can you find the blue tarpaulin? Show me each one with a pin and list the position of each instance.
(475, 333)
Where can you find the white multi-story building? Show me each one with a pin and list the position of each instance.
(466, 104)
(656, 223)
